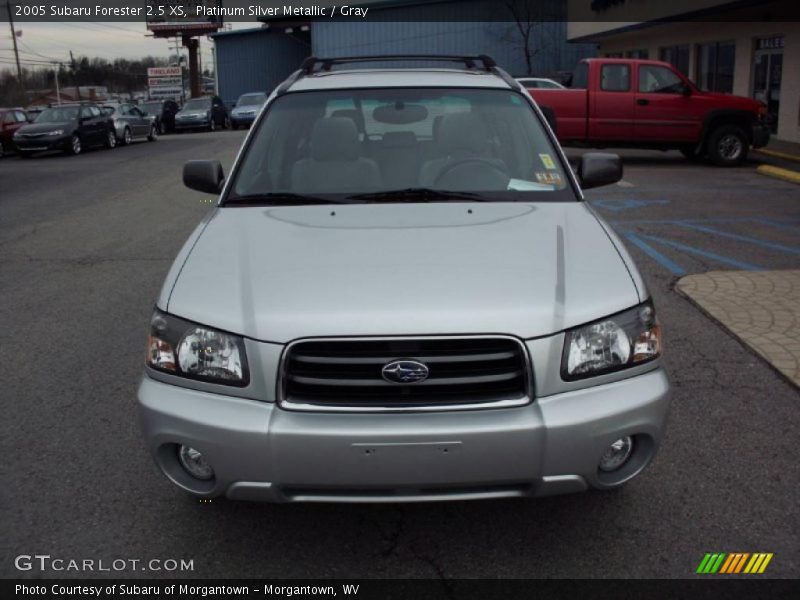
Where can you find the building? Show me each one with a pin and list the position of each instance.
(747, 48)
(260, 58)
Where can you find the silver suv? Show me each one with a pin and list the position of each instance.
(402, 296)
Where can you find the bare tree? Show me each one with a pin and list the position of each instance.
(528, 33)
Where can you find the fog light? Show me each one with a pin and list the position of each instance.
(195, 464)
(617, 454)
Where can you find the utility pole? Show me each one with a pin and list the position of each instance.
(14, 39)
(58, 90)
(75, 75)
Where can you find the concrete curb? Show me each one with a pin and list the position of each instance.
(778, 173)
(777, 154)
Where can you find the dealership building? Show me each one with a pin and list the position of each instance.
(259, 58)
(747, 48)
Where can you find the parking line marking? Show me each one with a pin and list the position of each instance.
(741, 238)
(661, 259)
(704, 253)
(772, 223)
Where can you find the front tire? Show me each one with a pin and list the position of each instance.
(75, 146)
(728, 146)
(212, 125)
(111, 139)
(127, 138)
(226, 124)
(153, 134)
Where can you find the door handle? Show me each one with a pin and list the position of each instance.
(642, 102)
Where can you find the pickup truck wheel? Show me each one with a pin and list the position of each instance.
(728, 146)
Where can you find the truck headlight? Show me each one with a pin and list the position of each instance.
(623, 340)
(194, 351)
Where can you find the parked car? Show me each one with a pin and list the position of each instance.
(650, 104)
(11, 119)
(164, 113)
(131, 123)
(540, 83)
(67, 127)
(419, 304)
(246, 109)
(206, 112)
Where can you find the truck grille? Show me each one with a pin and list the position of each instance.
(347, 374)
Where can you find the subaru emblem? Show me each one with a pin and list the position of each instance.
(405, 371)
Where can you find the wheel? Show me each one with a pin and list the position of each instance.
(126, 137)
(728, 146)
(226, 124)
(212, 125)
(691, 152)
(161, 129)
(74, 145)
(111, 139)
(153, 134)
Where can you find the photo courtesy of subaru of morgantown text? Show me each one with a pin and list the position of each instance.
(400, 299)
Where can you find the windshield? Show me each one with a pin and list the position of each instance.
(197, 104)
(252, 100)
(151, 108)
(352, 143)
(57, 115)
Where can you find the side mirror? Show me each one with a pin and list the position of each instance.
(204, 176)
(686, 90)
(599, 168)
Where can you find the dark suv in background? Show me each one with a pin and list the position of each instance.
(164, 113)
(67, 127)
(206, 112)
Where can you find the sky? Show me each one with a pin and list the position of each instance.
(53, 41)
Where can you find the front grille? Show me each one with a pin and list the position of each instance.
(348, 373)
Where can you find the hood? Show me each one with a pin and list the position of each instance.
(281, 273)
(193, 112)
(729, 101)
(247, 109)
(45, 127)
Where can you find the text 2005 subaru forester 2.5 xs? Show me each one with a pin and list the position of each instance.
(402, 296)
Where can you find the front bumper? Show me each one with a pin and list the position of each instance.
(761, 134)
(192, 123)
(262, 452)
(43, 143)
(243, 120)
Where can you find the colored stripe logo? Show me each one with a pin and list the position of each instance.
(734, 563)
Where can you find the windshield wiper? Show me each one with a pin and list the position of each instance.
(421, 194)
(279, 198)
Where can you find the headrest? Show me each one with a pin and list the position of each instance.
(463, 133)
(334, 138)
(398, 139)
(352, 114)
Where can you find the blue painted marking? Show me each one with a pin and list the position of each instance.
(619, 205)
(741, 238)
(704, 253)
(661, 259)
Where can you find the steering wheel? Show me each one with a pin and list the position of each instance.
(479, 173)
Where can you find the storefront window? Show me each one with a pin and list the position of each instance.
(715, 66)
(644, 54)
(677, 56)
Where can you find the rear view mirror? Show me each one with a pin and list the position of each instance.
(204, 176)
(599, 168)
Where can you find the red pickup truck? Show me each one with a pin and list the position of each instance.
(649, 104)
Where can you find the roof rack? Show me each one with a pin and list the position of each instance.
(310, 64)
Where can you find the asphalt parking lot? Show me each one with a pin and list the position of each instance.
(85, 243)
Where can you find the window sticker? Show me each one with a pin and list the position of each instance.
(548, 178)
(547, 161)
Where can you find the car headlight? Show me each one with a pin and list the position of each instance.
(194, 351)
(630, 338)
(56, 132)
